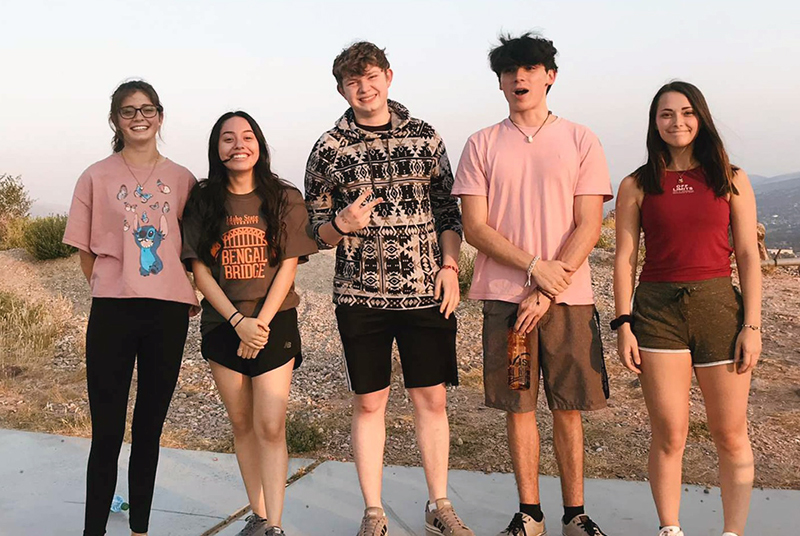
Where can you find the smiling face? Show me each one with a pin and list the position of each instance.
(676, 121)
(525, 88)
(238, 146)
(139, 129)
(368, 94)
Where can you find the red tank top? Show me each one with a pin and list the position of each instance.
(685, 230)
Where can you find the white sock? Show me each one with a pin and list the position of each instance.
(729, 534)
(673, 529)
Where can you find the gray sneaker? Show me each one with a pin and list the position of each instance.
(373, 523)
(275, 531)
(256, 525)
(443, 520)
(581, 525)
(524, 525)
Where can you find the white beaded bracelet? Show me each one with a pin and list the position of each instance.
(531, 266)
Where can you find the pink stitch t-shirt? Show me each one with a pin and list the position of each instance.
(133, 230)
(530, 190)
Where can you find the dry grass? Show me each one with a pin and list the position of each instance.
(28, 332)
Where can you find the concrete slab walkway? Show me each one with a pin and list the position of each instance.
(42, 492)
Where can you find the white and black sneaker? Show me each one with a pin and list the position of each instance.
(581, 525)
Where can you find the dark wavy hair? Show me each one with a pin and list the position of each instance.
(707, 147)
(123, 91)
(527, 50)
(207, 200)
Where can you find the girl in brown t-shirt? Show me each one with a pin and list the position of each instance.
(245, 233)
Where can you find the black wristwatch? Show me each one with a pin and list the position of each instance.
(621, 319)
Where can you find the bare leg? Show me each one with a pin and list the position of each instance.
(433, 436)
(726, 393)
(523, 444)
(236, 391)
(568, 443)
(666, 379)
(270, 397)
(369, 438)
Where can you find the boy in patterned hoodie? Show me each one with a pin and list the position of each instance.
(378, 188)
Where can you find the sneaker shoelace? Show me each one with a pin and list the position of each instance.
(589, 526)
(369, 524)
(451, 519)
(517, 526)
(252, 520)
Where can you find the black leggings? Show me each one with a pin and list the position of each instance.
(119, 332)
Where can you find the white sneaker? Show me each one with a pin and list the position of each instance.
(671, 530)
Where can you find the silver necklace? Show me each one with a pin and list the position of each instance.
(528, 137)
(134, 176)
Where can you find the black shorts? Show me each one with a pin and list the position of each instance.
(221, 344)
(425, 338)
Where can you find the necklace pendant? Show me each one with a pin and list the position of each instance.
(529, 139)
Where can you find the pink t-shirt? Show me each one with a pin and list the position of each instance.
(530, 190)
(133, 230)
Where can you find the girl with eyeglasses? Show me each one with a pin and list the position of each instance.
(686, 315)
(245, 235)
(125, 221)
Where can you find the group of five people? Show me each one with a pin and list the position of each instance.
(379, 188)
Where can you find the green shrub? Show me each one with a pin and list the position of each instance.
(43, 238)
(466, 267)
(12, 232)
(14, 199)
(302, 434)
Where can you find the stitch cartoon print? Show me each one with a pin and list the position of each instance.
(148, 238)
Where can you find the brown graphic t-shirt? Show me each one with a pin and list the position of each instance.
(241, 266)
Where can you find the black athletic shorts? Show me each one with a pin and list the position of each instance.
(425, 338)
(221, 344)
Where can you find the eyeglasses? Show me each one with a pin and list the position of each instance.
(147, 111)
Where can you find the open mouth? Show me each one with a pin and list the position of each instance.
(139, 128)
(520, 92)
(145, 243)
(239, 156)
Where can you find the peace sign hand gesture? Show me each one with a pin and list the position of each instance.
(357, 214)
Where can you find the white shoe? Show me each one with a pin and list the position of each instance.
(671, 530)
(729, 534)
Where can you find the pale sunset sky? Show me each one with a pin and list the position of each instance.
(60, 62)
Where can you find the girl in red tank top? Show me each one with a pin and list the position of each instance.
(685, 230)
(686, 314)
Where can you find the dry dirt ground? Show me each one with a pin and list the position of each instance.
(49, 394)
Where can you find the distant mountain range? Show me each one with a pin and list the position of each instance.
(778, 201)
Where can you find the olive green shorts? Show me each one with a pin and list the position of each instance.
(565, 346)
(700, 317)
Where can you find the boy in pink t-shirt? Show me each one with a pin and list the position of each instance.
(532, 189)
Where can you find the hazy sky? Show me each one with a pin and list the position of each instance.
(60, 61)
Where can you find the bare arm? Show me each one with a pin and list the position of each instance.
(251, 331)
(553, 276)
(475, 210)
(748, 263)
(87, 264)
(628, 226)
(588, 215)
(279, 289)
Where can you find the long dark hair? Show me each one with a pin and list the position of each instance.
(207, 200)
(124, 90)
(707, 147)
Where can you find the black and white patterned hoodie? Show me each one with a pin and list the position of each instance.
(392, 263)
